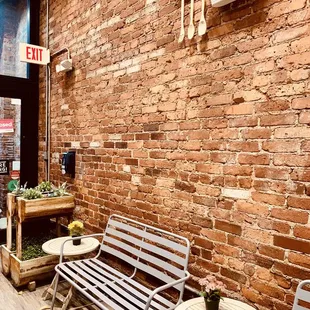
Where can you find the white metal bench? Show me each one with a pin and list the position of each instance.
(154, 255)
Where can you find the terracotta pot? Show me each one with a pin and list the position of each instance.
(212, 305)
(76, 242)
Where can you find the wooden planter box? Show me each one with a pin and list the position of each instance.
(23, 272)
(5, 260)
(44, 207)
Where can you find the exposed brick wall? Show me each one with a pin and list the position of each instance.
(209, 138)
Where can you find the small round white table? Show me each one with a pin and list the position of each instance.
(53, 247)
(225, 304)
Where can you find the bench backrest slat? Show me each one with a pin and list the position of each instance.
(159, 253)
(152, 237)
(148, 269)
(144, 256)
(147, 246)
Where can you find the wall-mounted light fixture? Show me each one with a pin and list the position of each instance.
(64, 65)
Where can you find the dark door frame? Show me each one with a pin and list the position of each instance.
(28, 91)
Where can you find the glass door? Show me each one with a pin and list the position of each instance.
(10, 151)
(19, 98)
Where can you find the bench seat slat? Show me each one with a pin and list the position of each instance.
(131, 281)
(76, 272)
(145, 256)
(166, 242)
(109, 278)
(75, 281)
(120, 297)
(147, 246)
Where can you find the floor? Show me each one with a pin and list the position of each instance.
(12, 299)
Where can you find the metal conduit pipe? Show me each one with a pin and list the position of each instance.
(47, 156)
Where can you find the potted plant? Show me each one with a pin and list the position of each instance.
(211, 292)
(76, 228)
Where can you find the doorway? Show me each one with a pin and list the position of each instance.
(19, 99)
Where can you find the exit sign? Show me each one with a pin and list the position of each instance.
(34, 54)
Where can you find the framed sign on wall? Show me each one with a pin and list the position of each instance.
(4, 167)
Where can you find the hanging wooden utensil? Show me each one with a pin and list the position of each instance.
(202, 27)
(182, 31)
(191, 27)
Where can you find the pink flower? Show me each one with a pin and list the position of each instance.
(211, 287)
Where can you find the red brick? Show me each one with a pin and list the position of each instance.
(299, 259)
(304, 118)
(298, 202)
(302, 232)
(242, 243)
(281, 146)
(290, 215)
(228, 227)
(301, 103)
(292, 160)
(243, 122)
(224, 52)
(227, 250)
(277, 105)
(251, 208)
(271, 251)
(267, 289)
(272, 173)
(260, 133)
(250, 159)
(214, 235)
(221, 30)
(281, 227)
(292, 244)
(240, 109)
(243, 146)
(237, 170)
(275, 120)
(271, 199)
(238, 277)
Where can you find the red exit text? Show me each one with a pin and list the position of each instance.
(33, 53)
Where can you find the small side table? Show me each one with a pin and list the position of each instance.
(53, 247)
(225, 304)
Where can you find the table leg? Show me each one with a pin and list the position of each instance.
(19, 240)
(67, 299)
(58, 227)
(48, 293)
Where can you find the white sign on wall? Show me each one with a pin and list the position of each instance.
(34, 54)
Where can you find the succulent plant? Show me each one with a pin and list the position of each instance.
(19, 189)
(32, 193)
(45, 186)
(61, 190)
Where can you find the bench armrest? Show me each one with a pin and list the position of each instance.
(164, 287)
(75, 238)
